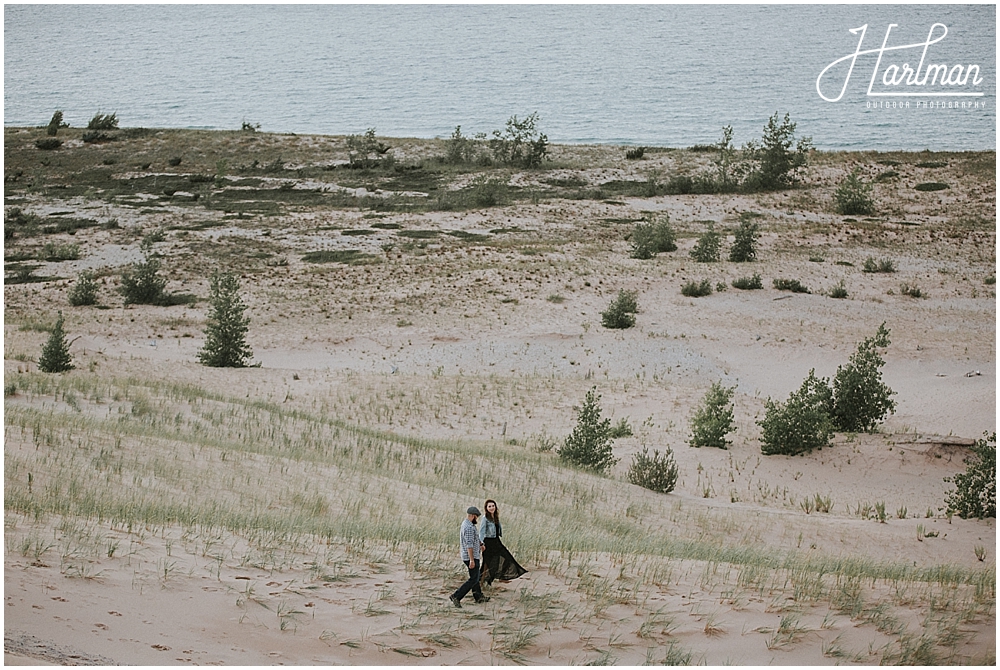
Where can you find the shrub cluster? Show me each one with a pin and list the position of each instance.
(55, 123)
(802, 423)
(857, 402)
(882, 265)
(520, 144)
(656, 473)
(48, 143)
(975, 493)
(589, 445)
(84, 290)
(103, 122)
(854, 196)
(365, 151)
(748, 283)
(621, 312)
(713, 419)
(694, 289)
(792, 285)
(635, 153)
(708, 247)
(655, 237)
(141, 283)
(744, 249)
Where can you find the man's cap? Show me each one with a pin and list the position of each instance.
(473, 510)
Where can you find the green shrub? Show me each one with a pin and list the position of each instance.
(931, 186)
(461, 149)
(621, 312)
(621, 429)
(365, 151)
(694, 289)
(708, 246)
(656, 473)
(55, 354)
(488, 191)
(713, 419)
(48, 143)
(860, 399)
(520, 144)
(649, 239)
(55, 123)
(744, 249)
(635, 153)
(103, 122)
(839, 291)
(854, 197)
(141, 283)
(225, 342)
(55, 253)
(748, 283)
(792, 285)
(774, 163)
(802, 423)
(912, 291)
(589, 445)
(84, 291)
(883, 265)
(975, 493)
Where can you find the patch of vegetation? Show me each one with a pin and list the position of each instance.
(419, 234)
(589, 445)
(55, 253)
(621, 429)
(931, 186)
(748, 283)
(792, 285)
(656, 473)
(694, 289)
(48, 143)
(466, 236)
(346, 256)
(883, 265)
(365, 151)
(55, 124)
(386, 226)
(520, 144)
(103, 122)
(932, 164)
(802, 423)
(649, 239)
(975, 493)
(225, 335)
(839, 291)
(84, 290)
(911, 291)
(466, 150)
(860, 399)
(55, 354)
(141, 283)
(635, 153)
(744, 249)
(621, 312)
(854, 196)
(357, 232)
(708, 247)
(713, 419)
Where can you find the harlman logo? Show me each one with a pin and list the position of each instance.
(904, 80)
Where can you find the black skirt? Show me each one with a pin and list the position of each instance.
(499, 563)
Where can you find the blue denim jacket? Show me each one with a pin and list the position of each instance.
(489, 529)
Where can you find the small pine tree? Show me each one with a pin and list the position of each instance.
(55, 354)
(713, 420)
(860, 399)
(225, 343)
(55, 123)
(975, 493)
(589, 445)
(621, 312)
(801, 424)
(744, 249)
(656, 473)
(708, 246)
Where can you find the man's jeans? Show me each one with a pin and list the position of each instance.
(472, 584)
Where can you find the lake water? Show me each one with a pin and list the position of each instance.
(669, 75)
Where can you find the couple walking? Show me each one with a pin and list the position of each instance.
(482, 548)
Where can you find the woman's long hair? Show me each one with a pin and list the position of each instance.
(495, 517)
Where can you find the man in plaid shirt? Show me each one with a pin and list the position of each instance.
(471, 553)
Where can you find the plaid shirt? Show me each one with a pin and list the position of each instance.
(468, 537)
